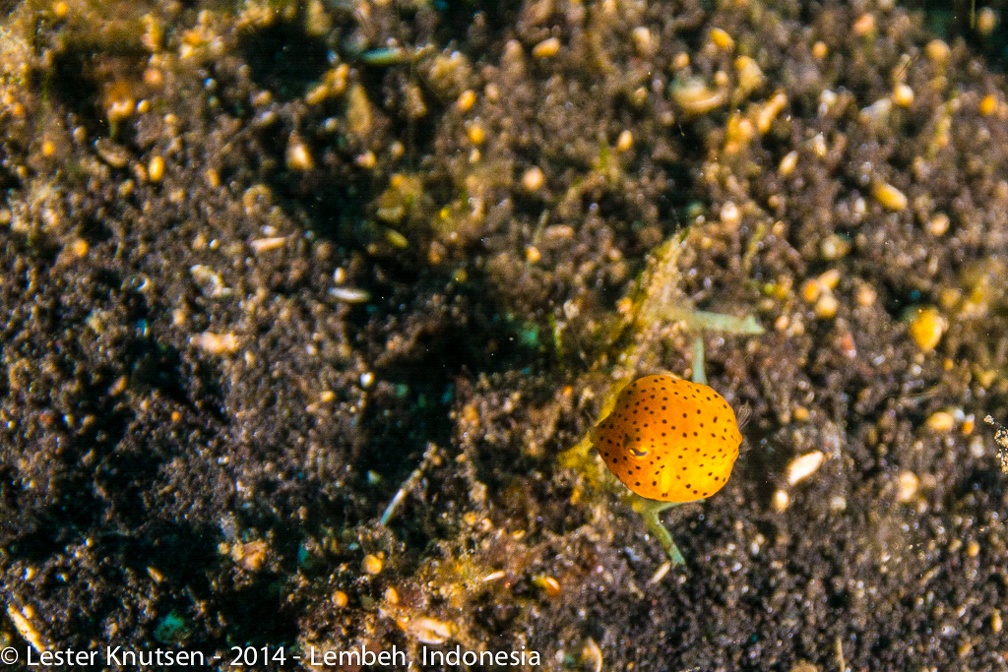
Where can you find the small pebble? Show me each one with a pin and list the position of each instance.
(769, 112)
(119, 386)
(475, 133)
(547, 584)
(120, 110)
(890, 197)
(864, 25)
(940, 422)
(298, 156)
(937, 51)
(866, 296)
(533, 179)
(903, 95)
(811, 290)
(787, 164)
(906, 486)
(804, 666)
(818, 144)
(251, 555)
(624, 142)
(730, 214)
(694, 97)
(926, 328)
(79, 247)
(830, 278)
(968, 424)
(591, 656)
(367, 160)
(643, 41)
(639, 96)
(827, 306)
(112, 153)
(750, 76)
(834, 247)
(156, 168)
(372, 564)
(465, 100)
(721, 39)
(547, 48)
(781, 500)
(939, 224)
(986, 21)
(988, 105)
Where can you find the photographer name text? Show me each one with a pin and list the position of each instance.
(277, 656)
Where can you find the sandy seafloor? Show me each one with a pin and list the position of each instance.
(271, 266)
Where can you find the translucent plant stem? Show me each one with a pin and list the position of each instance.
(649, 510)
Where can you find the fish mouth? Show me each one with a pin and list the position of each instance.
(634, 446)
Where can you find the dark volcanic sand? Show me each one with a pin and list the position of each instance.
(259, 262)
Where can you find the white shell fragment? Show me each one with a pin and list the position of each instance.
(591, 656)
(349, 294)
(260, 245)
(215, 343)
(660, 573)
(427, 630)
(781, 500)
(804, 466)
(22, 620)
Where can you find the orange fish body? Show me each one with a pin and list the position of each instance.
(669, 439)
